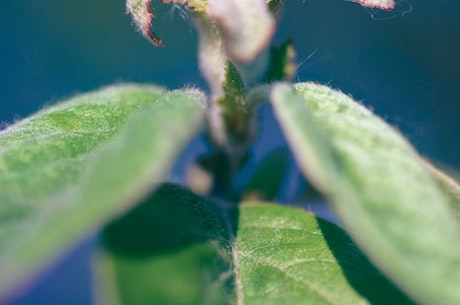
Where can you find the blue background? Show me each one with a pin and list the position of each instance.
(405, 65)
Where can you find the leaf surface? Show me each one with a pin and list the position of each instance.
(171, 249)
(449, 186)
(73, 166)
(378, 186)
(247, 26)
(178, 248)
(284, 255)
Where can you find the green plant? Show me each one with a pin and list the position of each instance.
(103, 157)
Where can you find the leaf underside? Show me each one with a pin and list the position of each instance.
(378, 187)
(73, 166)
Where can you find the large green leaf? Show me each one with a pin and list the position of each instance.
(378, 186)
(177, 248)
(284, 255)
(169, 250)
(71, 167)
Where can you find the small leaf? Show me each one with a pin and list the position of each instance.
(282, 63)
(377, 185)
(380, 4)
(142, 16)
(237, 118)
(275, 7)
(267, 180)
(247, 26)
(70, 168)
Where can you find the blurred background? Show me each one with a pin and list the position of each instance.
(404, 65)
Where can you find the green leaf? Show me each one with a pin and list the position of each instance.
(178, 248)
(378, 186)
(282, 65)
(287, 256)
(267, 180)
(73, 166)
(234, 110)
(448, 186)
(169, 250)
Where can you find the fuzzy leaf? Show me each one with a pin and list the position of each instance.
(234, 112)
(380, 4)
(169, 250)
(142, 16)
(73, 166)
(247, 26)
(178, 248)
(288, 256)
(212, 57)
(378, 187)
(448, 186)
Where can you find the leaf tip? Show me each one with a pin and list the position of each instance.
(247, 26)
(142, 16)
